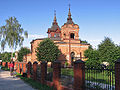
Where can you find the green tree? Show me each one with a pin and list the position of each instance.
(23, 51)
(12, 34)
(84, 42)
(109, 52)
(93, 57)
(6, 56)
(47, 51)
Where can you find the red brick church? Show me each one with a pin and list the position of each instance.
(66, 38)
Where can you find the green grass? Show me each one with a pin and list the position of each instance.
(35, 84)
(99, 77)
(6, 69)
(67, 71)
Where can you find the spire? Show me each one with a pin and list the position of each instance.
(54, 26)
(69, 19)
(69, 13)
(55, 16)
(55, 20)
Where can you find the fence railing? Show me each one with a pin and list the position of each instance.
(100, 78)
(78, 77)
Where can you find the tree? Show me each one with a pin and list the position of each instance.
(84, 42)
(109, 52)
(23, 51)
(47, 51)
(12, 34)
(93, 57)
(6, 56)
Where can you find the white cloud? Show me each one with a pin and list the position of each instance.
(36, 36)
(94, 43)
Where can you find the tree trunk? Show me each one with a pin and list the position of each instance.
(12, 54)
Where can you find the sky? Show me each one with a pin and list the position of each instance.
(96, 18)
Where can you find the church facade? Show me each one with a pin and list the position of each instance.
(66, 38)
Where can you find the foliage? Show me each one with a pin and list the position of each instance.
(23, 51)
(84, 42)
(5, 57)
(5, 69)
(35, 84)
(107, 52)
(66, 64)
(47, 51)
(93, 58)
(12, 34)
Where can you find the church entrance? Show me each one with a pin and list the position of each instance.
(72, 57)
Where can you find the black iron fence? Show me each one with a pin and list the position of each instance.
(49, 74)
(99, 78)
(38, 71)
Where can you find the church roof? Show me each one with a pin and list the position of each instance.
(69, 19)
(54, 26)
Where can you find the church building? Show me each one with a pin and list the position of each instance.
(66, 38)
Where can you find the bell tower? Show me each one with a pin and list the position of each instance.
(70, 30)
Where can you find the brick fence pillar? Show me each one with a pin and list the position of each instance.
(8, 65)
(56, 74)
(117, 75)
(0, 63)
(24, 67)
(43, 72)
(3, 64)
(79, 75)
(35, 70)
(17, 66)
(29, 64)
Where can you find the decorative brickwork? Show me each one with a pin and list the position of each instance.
(56, 74)
(79, 75)
(3, 64)
(35, 70)
(29, 69)
(43, 72)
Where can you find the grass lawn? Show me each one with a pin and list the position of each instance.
(34, 84)
(6, 69)
(100, 77)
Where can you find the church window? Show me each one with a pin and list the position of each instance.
(55, 35)
(64, 35)
(58, 35)
(72, 35)
(72, 57)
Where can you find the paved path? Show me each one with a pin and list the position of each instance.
(7, 82)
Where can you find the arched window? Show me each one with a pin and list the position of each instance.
(64, 35)
(55, 35)
(72, 35)
(72, 57)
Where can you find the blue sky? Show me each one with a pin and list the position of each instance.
(96, 18)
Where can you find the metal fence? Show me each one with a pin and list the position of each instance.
(99, 78)
(38, 71)
(66, 78)
(49, 74)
